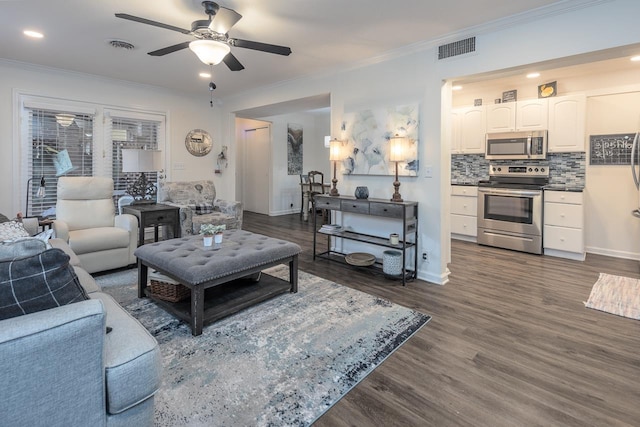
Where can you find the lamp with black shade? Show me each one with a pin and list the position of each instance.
(397, 154)
(335, 154)
(137, 160)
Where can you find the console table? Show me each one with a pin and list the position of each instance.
(406, 212)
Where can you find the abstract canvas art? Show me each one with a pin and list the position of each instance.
(294, 149)
(367, 133)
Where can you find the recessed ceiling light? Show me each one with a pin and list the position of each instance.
(635, 58)
(34, 34)
(456, 87)
(533, 75)
(205, 75)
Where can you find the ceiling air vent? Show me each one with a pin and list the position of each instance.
(457, 48)
(120, 44)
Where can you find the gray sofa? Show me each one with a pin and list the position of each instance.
(60, 366)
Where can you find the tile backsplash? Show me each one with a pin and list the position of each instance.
(565, 169)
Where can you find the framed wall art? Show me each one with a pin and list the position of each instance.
(294, 149)
(366, 134)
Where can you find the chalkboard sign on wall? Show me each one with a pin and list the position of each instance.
(612, 149)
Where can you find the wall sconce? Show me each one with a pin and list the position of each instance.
(40, 194)
(397, 154)
(335, 154)
(134, 160)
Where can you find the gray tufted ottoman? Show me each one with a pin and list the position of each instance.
(215, 274)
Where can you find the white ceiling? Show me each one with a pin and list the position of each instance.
(324, 35)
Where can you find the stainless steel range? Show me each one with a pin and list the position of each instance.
(510, 207)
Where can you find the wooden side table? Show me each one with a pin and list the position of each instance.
(154, 215)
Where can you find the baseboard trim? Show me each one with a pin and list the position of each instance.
(613, 253)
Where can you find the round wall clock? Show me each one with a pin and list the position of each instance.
(198, 142)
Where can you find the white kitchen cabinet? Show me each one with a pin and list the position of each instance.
(464, 212)
(532, 114)
(567, 119)
(468, 133)
(501, 117)
(563, 233)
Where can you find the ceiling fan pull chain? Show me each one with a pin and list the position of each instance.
(212, 86)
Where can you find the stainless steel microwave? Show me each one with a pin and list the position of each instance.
(516, 145)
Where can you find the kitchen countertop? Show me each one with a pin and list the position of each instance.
(551, 187)
(559, 187)
(468, 183)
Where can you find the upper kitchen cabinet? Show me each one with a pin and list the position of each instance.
(532, 114)
(501, 117)
(518, 116)
(567, 119)
(468, 130)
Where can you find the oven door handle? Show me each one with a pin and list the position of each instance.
(512, 193)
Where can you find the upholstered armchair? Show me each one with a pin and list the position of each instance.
(198, 205)
(86, 219)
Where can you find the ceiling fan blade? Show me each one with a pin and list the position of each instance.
(223, 20)
(232, 62)
(150, 22)
(169, 49)
(264, 47)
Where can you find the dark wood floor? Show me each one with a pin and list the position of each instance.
(510, 342)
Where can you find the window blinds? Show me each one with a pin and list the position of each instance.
(59, 143)
(130, 132)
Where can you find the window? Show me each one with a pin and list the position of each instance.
(59, 143)
(131, 131)
(67, 138)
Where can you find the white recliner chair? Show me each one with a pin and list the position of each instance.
(86, 219)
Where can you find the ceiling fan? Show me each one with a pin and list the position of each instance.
(213, 44)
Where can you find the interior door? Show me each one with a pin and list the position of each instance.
(255, 194)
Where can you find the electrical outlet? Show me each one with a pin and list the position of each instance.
(425, 256)
(291, 204)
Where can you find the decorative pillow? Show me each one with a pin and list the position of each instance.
(3, 218)
(11, 230)
(37, 283)
(201, 208)
(22, 247)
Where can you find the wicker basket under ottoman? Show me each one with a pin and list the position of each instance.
(165, 288)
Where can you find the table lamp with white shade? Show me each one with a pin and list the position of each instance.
(335, 155)
(397, 153)
(136, 160)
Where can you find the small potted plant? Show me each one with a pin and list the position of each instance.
(212, 233)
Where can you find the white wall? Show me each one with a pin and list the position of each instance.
(419, 77)
(183, 114)
(611, 194)
(286, 188)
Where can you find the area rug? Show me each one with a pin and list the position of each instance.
(283, 362)
(616, 295)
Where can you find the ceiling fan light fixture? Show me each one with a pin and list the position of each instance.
(210, 52)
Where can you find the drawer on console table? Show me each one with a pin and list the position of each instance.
(355, 206)
(327, 203)
(386, 209)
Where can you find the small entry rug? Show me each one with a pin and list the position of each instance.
(616, 295)
(283, 362)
